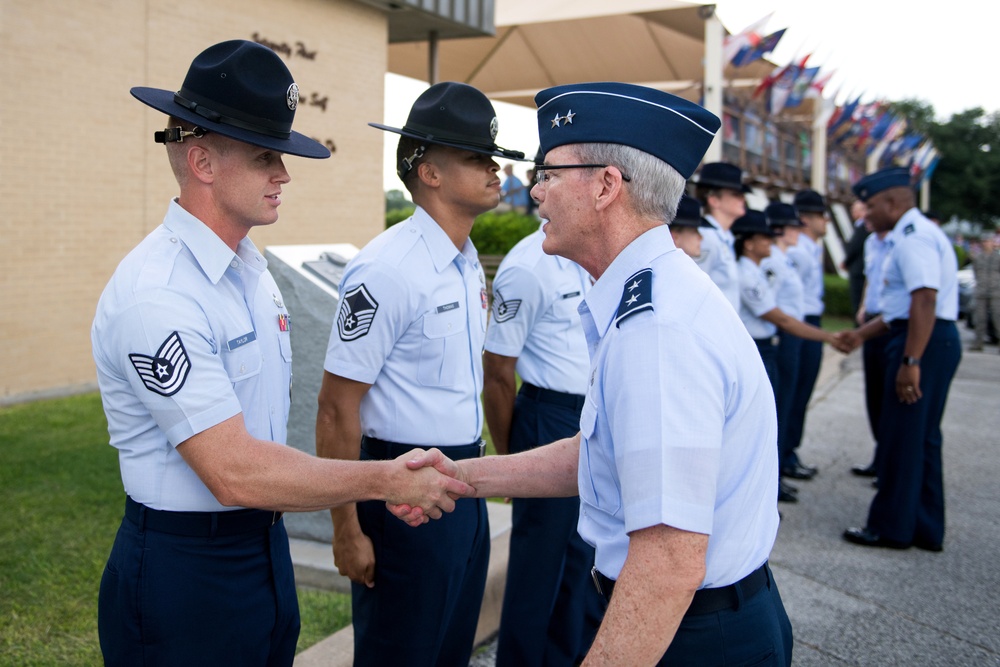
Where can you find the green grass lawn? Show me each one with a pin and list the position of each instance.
(61, 501)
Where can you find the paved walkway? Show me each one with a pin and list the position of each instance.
(852, 605)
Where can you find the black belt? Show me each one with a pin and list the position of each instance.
(706, 600)
(199, 524)
(574, 401)
(903, 324)
(772, 341)
(383, 450)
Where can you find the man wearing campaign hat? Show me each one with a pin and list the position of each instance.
(676, 460)
(404, 371)
(919, 301)
(721, 190)
(191, 343)
(807, 255)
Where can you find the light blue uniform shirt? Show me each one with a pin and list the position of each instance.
(412, 323)
(718, 260)
(875, 250)
(807, 255)
(678, 427)
(535, 317)
(788, 292)
(756, 298)
(919, 255)
(188, 334)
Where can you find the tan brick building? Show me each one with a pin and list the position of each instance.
(83, 182)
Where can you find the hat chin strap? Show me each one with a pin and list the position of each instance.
(258, 125)
(176, 134)
(406, 164)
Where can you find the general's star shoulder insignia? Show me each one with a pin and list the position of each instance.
(504, 310)
(637, 296)
(165, 372)
(357, 310)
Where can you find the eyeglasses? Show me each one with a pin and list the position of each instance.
(542, 177)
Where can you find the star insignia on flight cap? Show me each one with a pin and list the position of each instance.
(556, 120)
(569, 117)
(637, 296)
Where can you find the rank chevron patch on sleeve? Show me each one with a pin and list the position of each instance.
(165, 372)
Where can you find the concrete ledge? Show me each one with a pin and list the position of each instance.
(314, 567)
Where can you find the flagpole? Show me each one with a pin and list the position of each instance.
(712, 90)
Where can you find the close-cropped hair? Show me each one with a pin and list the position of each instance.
(655, 186)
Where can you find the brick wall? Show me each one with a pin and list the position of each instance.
(82, 182)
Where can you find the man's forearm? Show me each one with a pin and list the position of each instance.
(923, 304)
(543, 472)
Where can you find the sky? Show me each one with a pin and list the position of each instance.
(941, 53)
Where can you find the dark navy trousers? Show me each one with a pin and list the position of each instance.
(874, 360)
(789, 351)
(429, 584)
(175, 600)
(757, 633)
(909, 504)
(810, 358)
(551, 610)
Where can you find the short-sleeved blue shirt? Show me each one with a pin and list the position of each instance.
(188, 334)
(535, 317)
(412, 324)
(919, 255)
(679, 425)
(718, 260)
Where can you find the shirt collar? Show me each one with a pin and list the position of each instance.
(209, 251)
(442, 250)
(606, 294)
(911, 215)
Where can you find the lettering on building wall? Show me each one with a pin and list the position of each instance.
(299, 50)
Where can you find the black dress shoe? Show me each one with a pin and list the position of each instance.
(866, 538)
(798, 471)
(864, 471)
(936, 547)
(786, 493)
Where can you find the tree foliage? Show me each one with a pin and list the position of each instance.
(966, 182)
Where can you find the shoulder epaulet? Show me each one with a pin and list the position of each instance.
(909, 229)
(637, 295)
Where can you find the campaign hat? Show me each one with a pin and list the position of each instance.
(241, 90)
(874, 183)
(809, 201)
(750, 223)
(455, 115)
(665, 126)
(722, 175)
(688, 213)
(779, 214)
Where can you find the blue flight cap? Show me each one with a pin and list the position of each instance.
(750, 223)
(872, 184)
(666, 126)
(779, 214)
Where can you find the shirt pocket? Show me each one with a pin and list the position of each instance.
(244, 362)
(443, 348)
(598, 482)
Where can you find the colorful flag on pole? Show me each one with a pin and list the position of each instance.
(801, 86)
(749, 54)
(748, 37)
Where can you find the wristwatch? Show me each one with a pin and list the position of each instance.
(911, 361)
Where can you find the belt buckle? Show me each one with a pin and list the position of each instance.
(482, 448)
